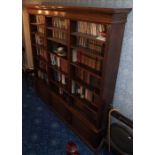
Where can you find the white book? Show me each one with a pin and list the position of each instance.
(63, 79)
(86, 94)
(52, 59)
(74, 55)
(59, 77)
(58, 61)
(73, 87)
(101, 38)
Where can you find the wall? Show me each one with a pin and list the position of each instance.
(123, 92)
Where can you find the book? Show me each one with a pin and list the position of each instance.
(40, 19)
(53, 59)
(64, 65)
(74, 55)
(63, 81)
(73, 87)
(78, 56)
(98, 65)
(58, 61)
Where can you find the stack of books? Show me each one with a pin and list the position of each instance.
(91, 28)
(59, 23)
(80, 57)
(82, 92)
(59, 77)
(59, 34)
(93, 45)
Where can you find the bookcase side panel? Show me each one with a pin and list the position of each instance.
(111, 63)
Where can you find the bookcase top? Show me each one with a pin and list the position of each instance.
(79, 8)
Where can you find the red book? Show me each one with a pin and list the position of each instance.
(63, 65)
(78, 56)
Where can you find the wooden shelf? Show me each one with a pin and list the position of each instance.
(60, 85)
(87, 104)
(88, 69)
(62, 57)
(84, 101)
(38, 57)
(63, 42)
(77, 113)
(56, 28)
(39, 33)
(88, 36)
(37, 24)
(54, 67)
(37, 45)
(42, 69)
(88, 52)
(82, 83)
(84, 119)
(43, 81)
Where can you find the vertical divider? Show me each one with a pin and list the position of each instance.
(69, 60)
(47, 52)
(101, 104)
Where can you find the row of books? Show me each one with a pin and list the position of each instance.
(42, 65)
(42, 75)
(59, 62)
(59, 23)
(39, 39)
(41, 29)
(59, 35)
(60, 91)
(40, 19)
(94, 45)
(80, 57)
(82, 92)
(41, 52)
(87, 78)
(90, 28)
(59, 77)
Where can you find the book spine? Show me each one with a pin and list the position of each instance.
(74, 55)
(58, 61)
(63, 79)
(73, 87)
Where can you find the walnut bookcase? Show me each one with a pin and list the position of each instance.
(79, 85)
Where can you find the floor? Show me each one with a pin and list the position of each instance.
(43, 132)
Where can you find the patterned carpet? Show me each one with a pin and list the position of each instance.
(43, 132)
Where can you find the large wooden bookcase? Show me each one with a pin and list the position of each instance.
(76, 53)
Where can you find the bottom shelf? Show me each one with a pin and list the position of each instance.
(72, 117)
